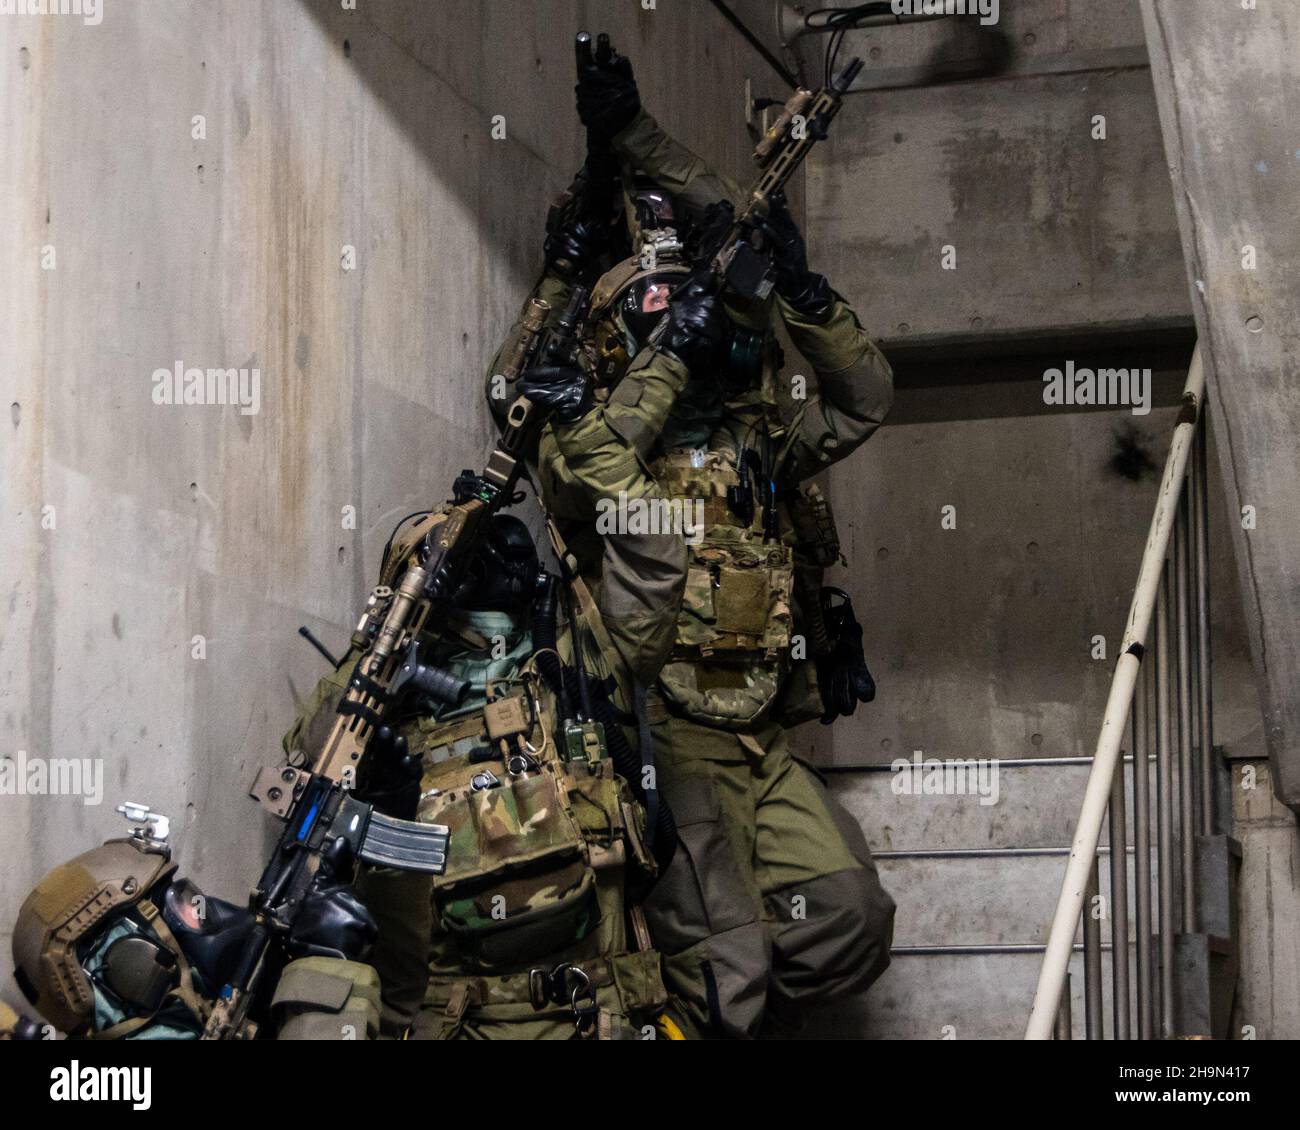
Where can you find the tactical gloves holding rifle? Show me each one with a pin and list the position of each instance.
(564, 390)
(608, 99)
(583, 227)
(806, 291)
(696, 323)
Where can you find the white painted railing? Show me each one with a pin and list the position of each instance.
(1172, 588)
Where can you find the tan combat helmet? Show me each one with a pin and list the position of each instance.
(73, 901)
(659, 256)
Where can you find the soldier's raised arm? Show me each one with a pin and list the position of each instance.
(603, 453)
(855, 384)
(609, 105)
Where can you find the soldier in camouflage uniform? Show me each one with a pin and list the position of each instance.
(774, 904)
(113, 946)
(531, 932)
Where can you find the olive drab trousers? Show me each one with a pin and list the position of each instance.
(772, 904)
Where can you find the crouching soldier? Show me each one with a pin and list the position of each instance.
(113, 946)
(533, 931)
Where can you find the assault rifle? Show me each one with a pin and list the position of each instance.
(736, 259)
(325, 825)
(591, 194)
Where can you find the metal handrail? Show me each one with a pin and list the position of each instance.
(1080, 874)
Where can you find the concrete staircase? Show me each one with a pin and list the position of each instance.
(975, 887)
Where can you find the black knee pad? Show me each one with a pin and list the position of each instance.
(831, 935)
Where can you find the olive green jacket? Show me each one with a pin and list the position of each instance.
(587, 475)
(583, 469)
(854, 386)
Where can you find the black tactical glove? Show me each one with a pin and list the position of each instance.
(390, 780)
(842, 674)
(607, 96)
(574, 248)
(565, 389)
(333, 922)
(808, 292)
(697, 324)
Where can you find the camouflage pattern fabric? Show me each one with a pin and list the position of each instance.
(537, 872)
(754, 823)
(774, 905)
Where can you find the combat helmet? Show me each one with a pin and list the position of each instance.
(123, 882)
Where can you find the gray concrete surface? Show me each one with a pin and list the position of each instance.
(1067, 248)
(325, 128)
(371, 129)
(1268, 1000)
(1228, 85)
(1053, 229)
(980, 900)
(980, 636)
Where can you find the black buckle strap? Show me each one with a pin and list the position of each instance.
(566, 984)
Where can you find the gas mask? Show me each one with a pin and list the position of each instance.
(505, 570)
(96, 949)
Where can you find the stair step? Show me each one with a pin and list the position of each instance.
(972, 900)
(966, 997)
(1037, 807)
(976, 887)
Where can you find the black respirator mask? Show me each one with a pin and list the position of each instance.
(506, 569)
(739, 363)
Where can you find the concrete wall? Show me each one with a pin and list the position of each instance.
(1067, 248)
(1268, 1001)
(325, 128)
(1226, 77)
(981, 637)
(371, 129)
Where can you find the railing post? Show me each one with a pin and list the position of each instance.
(1204, 659)
(1092, 1016)
(1164, 810)
(1142, 857)
(1186, 774)
(1119, 952)
(1063, 1027)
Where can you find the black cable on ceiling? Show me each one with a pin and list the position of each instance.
(757, 44)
